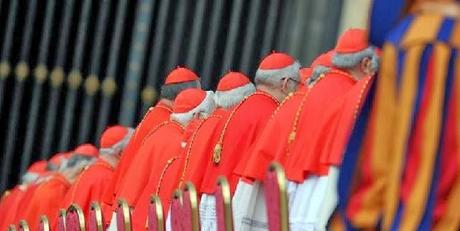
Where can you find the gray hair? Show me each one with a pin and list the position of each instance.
(170, 91)
(273, 77)
(317, 72)
(117, 148)
(205, 107)
(77, 159)
(230, 98)
(347, 61)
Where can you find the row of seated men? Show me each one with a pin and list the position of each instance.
(298, 117)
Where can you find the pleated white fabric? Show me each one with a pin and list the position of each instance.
(248, 205)
(208, 213)
(113, 223)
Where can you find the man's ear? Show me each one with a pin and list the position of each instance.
(366, 65)
(284, 84)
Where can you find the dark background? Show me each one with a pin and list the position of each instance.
(245, 30)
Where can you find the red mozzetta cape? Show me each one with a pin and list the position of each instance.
(9, 205)
(321, 96)
(163, 172)
(199, 148)
(244, 126)
(336, 134)
(46, 199)
(274, 138)
(155, 116)
(89, 186)
(156, 145)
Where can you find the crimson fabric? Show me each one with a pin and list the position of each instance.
(186, 212)
(276, 60)
(157, 169)
(247, 123)
(200, 147)
(46, 199)
(112, 136)
(176, 215)
(92, 222)
(334, 85)
(220, 210)
(87, 150)
(353, 40)
(188, 99)
(180, 75)
(232, 80)
(71, 222)
(9, 205)
(272, 200)
(157, 143)
(120, 220)
(337, 130)
(153, 219)
(274, 138)
(90, 186)
(155, 116)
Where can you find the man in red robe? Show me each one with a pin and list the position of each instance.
(353, 61)
(10, 203)
(249, 198)
(165, 146)
(53, 165)
(49, 194)
(178, 80)
(93, 181)
(276, 77)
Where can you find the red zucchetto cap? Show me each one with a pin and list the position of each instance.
(352, 41)
(324, 59)
(232, 80)
(188, 99)
(180, 75)
(38, 167)
(112, 135)
(87, 150)
(276, 60)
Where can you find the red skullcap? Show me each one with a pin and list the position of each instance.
(58, 158)
(38, 167)
(352, 41)
(305, 73)
(87, 150)
(188, 99)
(276, 61)
(232, 80)
(180, 75)
(113, 135)
(324, 59)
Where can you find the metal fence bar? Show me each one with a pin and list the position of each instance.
(155, 52)
(5, 66)
(135, 63)
(92, 81)
(210, 51)
(21, 73)
(251, 31)
(109, 85)
(230, 45)
(40, 74)
(57, 78)
(75, 77)
(198, 19)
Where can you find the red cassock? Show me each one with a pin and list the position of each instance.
(163, 172)
(274, 138)
(20, 213)
(47, 199)
(339, 125)
(155, 116)
(200, 147)
(237, 137)
(9, 205)
(90, 186)
(324, 93)
(156, 145)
